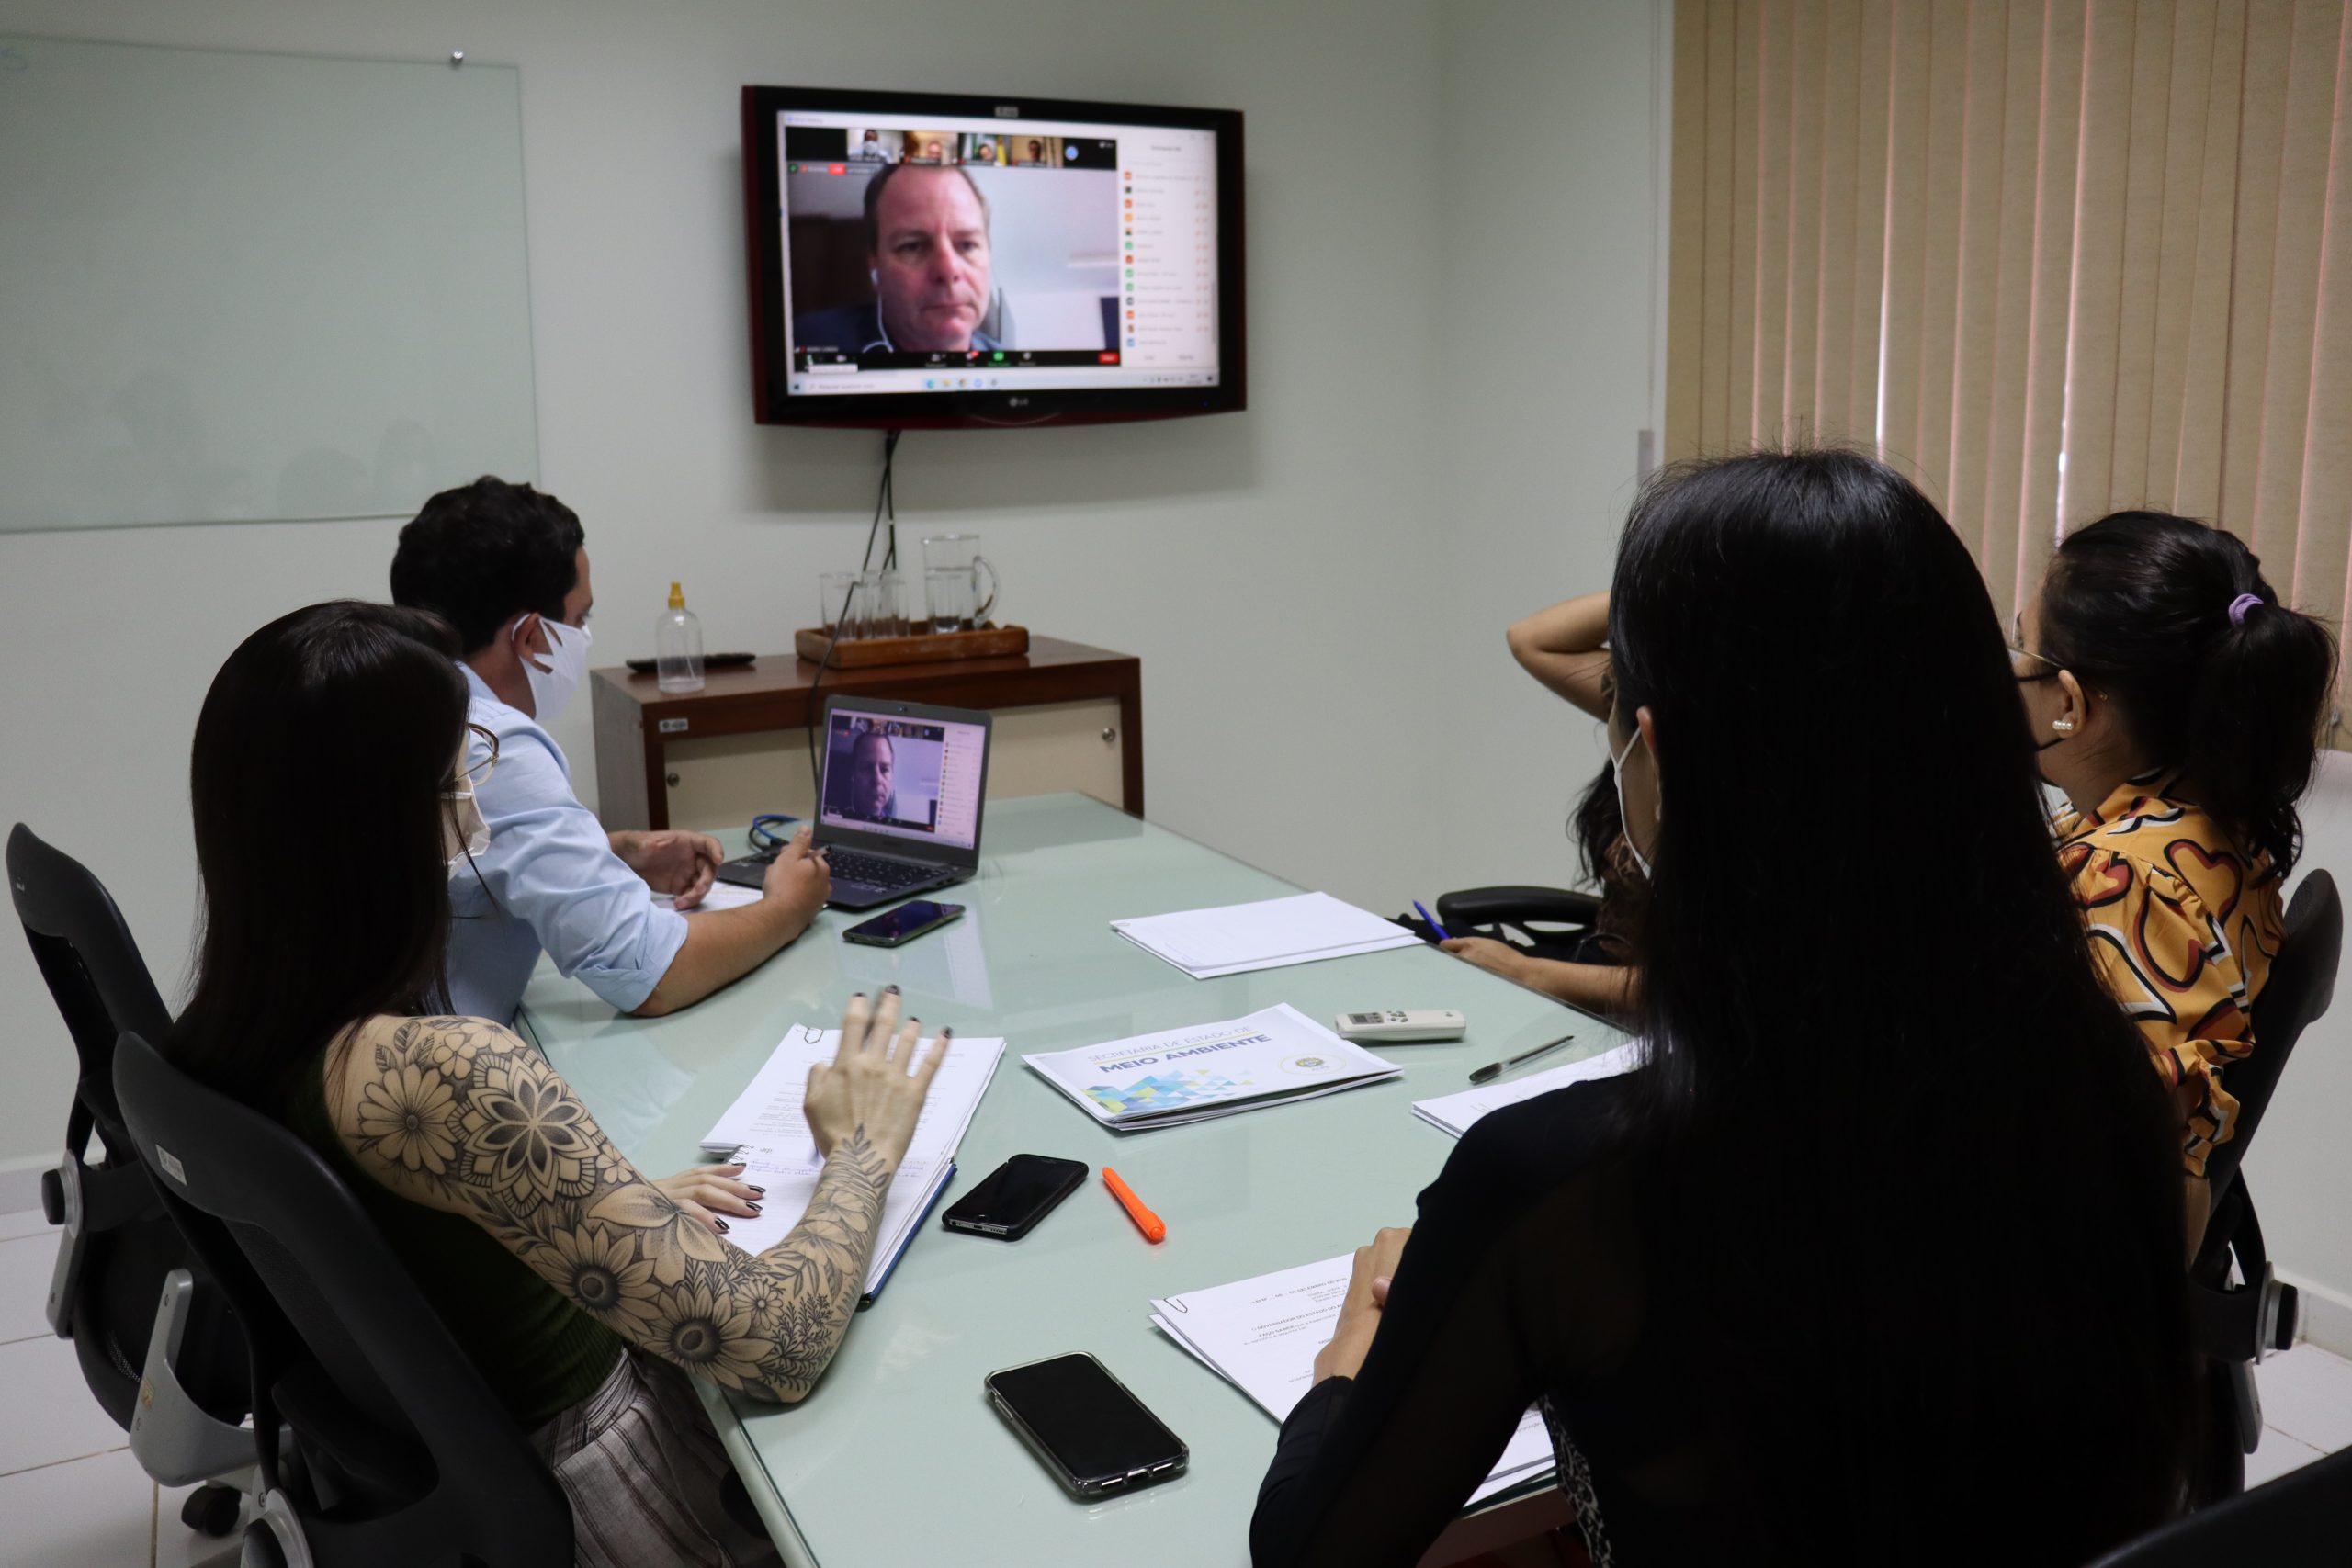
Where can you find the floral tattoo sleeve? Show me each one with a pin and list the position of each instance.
(463, 1116)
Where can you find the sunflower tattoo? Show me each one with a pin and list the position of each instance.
(603, 1273)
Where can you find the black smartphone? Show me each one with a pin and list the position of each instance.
(1012, 1198)
(1095, 1437)
(903, 924)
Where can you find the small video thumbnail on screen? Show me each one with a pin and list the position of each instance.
(884, 771)
(915, 241)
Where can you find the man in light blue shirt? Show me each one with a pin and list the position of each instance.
(506, 565)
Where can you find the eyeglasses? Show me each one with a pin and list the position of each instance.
(2017, 649)
(476, 774)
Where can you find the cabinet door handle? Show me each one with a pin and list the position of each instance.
(1109, 735)
(669, 779)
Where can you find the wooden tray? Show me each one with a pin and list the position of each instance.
(859, 653)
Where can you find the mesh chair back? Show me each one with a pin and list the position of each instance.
(126, 1244)
(86, 954)
(2300, 987)
(423, 1462)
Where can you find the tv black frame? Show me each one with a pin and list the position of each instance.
(764, 245)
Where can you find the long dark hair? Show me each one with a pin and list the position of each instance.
(2138, 606)
(1914, 1191)
(1596, 827)
(320, 758)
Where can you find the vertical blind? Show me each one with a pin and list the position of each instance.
(2051, 259)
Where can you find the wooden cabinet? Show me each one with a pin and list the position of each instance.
(1067, 718)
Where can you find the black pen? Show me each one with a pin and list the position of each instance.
(1494, 1070)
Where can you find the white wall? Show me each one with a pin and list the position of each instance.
(1441, 435)
(1554, 285)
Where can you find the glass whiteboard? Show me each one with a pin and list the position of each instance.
(256, 286)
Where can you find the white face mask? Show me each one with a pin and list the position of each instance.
(1617, 778)
(567, 659)
(463, 834)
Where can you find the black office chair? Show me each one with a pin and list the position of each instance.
(2304, 1520)
(2242, 1310)
(1549, 922)
(400, 1457)
(121, 1255)
(2301, 988)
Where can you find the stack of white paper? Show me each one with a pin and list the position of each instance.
(767, 1129)
(1299, 930)
(1262, 1335)
(1453, 1113)
(1272, 1057)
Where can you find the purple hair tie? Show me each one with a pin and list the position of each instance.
(2240, 605)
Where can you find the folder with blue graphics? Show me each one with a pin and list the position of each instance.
(1272, 1057)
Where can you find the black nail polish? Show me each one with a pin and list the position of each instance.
(889, 990)
(754, 1207)
(760, 1191)
(722, 1224)
(857, 996)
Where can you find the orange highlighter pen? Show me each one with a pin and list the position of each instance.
(1153, 1228)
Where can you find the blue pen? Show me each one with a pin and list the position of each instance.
(1431, 920)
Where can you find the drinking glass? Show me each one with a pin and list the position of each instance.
(836, 594)
(947, 594)
(962, 552)
(882, 591)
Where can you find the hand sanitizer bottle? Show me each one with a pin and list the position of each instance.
(677, 646)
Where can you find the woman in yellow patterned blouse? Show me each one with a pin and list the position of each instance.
(2177, 704)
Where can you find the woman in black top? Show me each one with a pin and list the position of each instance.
(1877, 1260)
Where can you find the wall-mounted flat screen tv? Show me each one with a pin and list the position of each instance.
(927, 260)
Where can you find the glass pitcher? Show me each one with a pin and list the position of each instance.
(961, 553)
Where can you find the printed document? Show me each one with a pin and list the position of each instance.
(767, 1129)
(1302, 928)
(722, 896)
(1452, 1114)
(1262, 1336)
(1272, 1057)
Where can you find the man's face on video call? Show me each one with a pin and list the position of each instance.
(932, 271)
(869, 771)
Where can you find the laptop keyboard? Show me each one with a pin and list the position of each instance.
(848, 865)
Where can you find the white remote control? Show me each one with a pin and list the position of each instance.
(1397, 1028)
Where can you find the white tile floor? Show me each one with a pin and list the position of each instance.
(71, 1496)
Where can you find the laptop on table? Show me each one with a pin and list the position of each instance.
(898, 801)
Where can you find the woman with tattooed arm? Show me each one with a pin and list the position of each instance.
(579, 1286)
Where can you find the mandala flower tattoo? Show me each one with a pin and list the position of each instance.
(409, 1117)
(711, 1337)
(526, 1136)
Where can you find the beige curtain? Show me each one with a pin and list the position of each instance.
(2051, 259)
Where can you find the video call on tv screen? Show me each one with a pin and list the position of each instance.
(931, 251)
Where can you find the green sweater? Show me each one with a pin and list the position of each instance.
(540, 1353)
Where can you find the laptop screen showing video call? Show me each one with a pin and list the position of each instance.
(995, 254)
(911, 778)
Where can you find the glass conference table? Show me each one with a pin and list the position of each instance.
(896, 1459)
